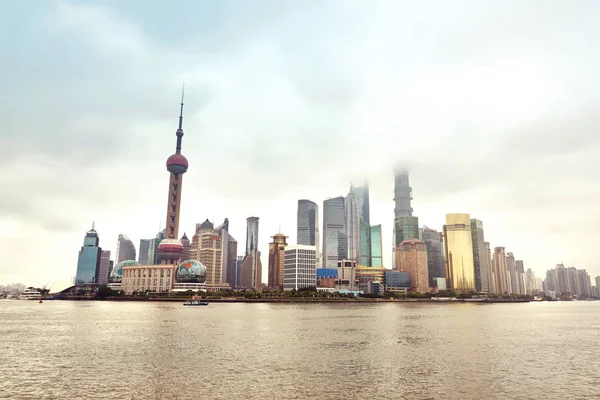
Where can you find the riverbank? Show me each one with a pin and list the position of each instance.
(300, 300)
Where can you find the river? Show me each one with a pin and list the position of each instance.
(146, 350)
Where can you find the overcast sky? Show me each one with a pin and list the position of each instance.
(493, 105)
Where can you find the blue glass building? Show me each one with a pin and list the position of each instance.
(88, 263)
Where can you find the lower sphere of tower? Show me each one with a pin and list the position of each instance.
(177, 164)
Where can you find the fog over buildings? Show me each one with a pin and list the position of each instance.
(494, 115)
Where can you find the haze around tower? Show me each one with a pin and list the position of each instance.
(294, 100)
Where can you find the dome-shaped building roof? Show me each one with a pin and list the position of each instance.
(191, 271)
(117, 273)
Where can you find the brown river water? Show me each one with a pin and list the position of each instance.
(145, 350)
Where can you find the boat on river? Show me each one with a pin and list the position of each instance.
(195, 303)
(30, 294)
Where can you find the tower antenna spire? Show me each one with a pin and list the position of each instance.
(181, 109)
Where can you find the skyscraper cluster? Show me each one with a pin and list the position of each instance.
(563, 280)
(456, 257)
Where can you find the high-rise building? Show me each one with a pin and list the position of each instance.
(299, 266)
(153, 258)
(551, 281)
(572, 279)
(276, 258)
(491, 273)
(103, 270)
(210, 255)
(458, 252)
(186, 247)
(353, 226)
(480, 257)
(584, 284)
(251, 234)
(335, 240)
(530, 282)
(229, 252)
(125, 249)
(403, 208)
(411, 257)
(308, 225)
(597, 279)
(362, 194)
(512, 282)
(500, 270)
(365, 244)
(144, 252)
(435, 254)
(520, 276)
(376, 246)
(251, 267)
(88, 263)
(562, 279)
(406, 228)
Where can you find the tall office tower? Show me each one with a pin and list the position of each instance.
(308, 226)
(520, 276)
(299, 266)
(88, 263)
(143, 256)
(238, 270)
(335, 241)
(362, 194)
(511, 274)
(552, 281)
(196, 244)
(435, 254)
(405, 226)
(251, 267)
(530, 282)
(458, 252)
(229, 251)
(276, 258)
(584, 283)
(597, 279)
(411, 257)
(562, 279)
(365, 244)
(210, 255)
(491, 275)
(103, 270)
(186, 247)
(572, 279)
(353, 227)
(125, 249)
(170, 248)
(480, 257)
(500, 270)
(376, 246)
(251, 234)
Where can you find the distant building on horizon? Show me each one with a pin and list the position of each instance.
(361, 194)
(403, 208)
(229, 254)
(500, 270)
(458, 252)
(308, 225)
(299, 266)
(411, 257)
(206, 248)
(125, 249)
(435, 254)
(185, 241)
(335, 240)
(88, 262)
(276, 261)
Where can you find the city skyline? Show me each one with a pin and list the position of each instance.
(112, 141)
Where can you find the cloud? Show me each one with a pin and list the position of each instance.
(492, 111)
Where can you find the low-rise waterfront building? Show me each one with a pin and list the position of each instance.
(299, 267)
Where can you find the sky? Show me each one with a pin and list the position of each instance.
(492, 106)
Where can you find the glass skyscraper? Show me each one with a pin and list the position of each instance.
(145, 252)
(365, 243)
(88, 263)
(458, 252)
(308, 225)
(362, 195)
(251, 234)
(480, 257)
(125, 249)
(376, 251)
(435, 254)
(335, 241)
(353, 227)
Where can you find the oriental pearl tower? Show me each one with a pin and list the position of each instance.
(170, 249)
